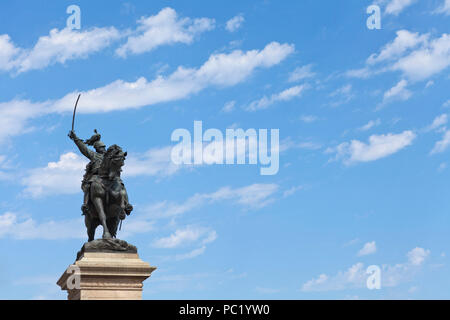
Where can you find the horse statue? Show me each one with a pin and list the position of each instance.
(108, 199)
(105, 197)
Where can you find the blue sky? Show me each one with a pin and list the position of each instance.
(362, 116)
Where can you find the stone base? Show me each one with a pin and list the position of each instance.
(105, 276)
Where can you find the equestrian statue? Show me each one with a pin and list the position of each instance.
(105, 199)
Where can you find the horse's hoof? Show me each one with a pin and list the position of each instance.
(107, 235)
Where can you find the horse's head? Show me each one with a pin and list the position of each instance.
(113, 161)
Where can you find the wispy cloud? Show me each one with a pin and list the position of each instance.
(25, 228)
(234, 23)
(285, 95)
(342, 95)
(416, 56)
(229, 106)
(254, 196)
(308, 118)
(369, 125)
(438, 122)
(220, 70)
(153, 162)
(186, 236)
(379, 146)
(442, 145)
(355, 276)
(444, 8)
(394, 7)
(58, 47)
(397, 92)
(301, 73)
(368, 248)
(60, 177)
(164, 28)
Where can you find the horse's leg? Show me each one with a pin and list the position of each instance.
(125, 204)
(96, 197)
(90, 225)
(113, 222)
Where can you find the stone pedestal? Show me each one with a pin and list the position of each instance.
(102, 274)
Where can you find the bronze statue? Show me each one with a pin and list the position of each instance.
(105, 197)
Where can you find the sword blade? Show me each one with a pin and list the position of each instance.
(74, 110)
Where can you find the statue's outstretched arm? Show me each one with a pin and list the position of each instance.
(81, 146)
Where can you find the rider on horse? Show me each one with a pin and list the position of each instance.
(94, 164)
(105, 197)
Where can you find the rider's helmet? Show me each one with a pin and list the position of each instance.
(99, 146)
(95, 141)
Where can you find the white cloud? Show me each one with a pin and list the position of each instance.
(404, 41)
(234, 23)
(62, 45)
(416, 56)
(186, 236)
(308, 118)
(8, 53)
(254, 196)
(379, 146)
(221, 70)
(344, 90)
(397, 92)
(356, 277)
(192, 254)
(229, 106)
(64, 175)
(15, 116)
(57, 47)
(417, 256)
(23, 227)
(135, 224)
(164, 28)
(370, 125)
(289, 143)
(362, 73)
(426, 61)
(153, 162)
(342, 95)
(14, 226)
(351, 242)
(61, 177)
(289, 192)
(442, 144)
(438, 122)
(368, 248)
(5, 166)
(396, 6)
(444, 8)
(301, 73)
(284, 95)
